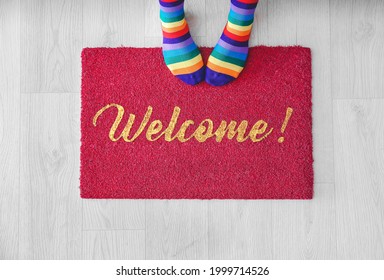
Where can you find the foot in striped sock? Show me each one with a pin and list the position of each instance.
(230, 53)
(180, 52)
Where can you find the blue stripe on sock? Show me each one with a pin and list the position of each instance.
(228, 52)
(181, 51)
(171, 14)
(241, 17)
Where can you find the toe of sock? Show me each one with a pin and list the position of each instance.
(193, 78)
(217, 79)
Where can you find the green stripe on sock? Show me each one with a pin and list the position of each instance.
(173, 19)
(181, 58)
(228, 59)
(239, 22)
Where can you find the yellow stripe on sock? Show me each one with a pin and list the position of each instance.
(237, 32)
(224, 64)
(174, 29)
(222, 70)
(188, 70)
(239, 27)
(185, 64)
(172, 24)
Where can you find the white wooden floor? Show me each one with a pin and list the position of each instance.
(41, 213)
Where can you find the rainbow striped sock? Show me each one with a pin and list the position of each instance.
(230, 53)
(180, 52)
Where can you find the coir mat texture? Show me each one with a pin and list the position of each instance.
(147, 135)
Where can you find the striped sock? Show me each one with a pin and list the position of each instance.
(230, 53)
(180, 52)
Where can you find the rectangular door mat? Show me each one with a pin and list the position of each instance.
(146, 134)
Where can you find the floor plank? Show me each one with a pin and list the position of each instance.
(305, 229)
(359, 169)
(113, 23)
(50, 45)
(50, 204)
(282, 17)
(314, 15)
(9, 128)
(102, 214)
(217, 15)
(114, 245)
(240, 229)
(279, 229)
(260, 34)
(357, 48)
(40, 47)
(177, 229)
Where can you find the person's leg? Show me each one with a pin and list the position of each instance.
(181, 54)
(230, 53)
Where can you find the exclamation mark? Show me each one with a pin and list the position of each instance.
(285, 123)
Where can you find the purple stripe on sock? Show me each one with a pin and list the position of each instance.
(225, 38)
(169, 47)
(172, 9)
(244, 5)
(217, 79)
(241, 11)
(232, 47)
